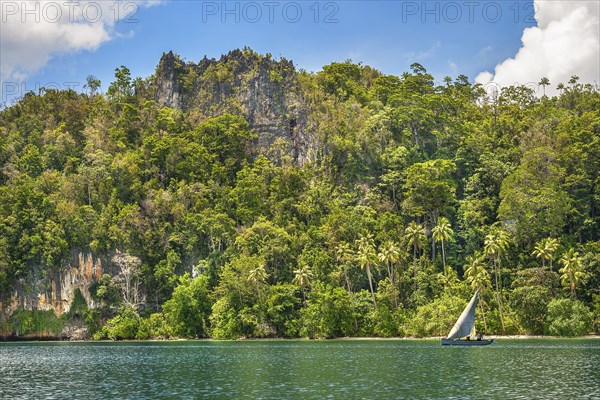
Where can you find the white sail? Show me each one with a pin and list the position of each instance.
(465, 323)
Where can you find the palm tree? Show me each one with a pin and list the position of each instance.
(442, 232)
(303, 278)
(475, 272)
(478, 277)
(573, 80)
(415, 234)
(366, 256)
(344, 255)
(571, 272)
(495, 245)
(543, 83)
(389, 255)
(544, 250)
(257, 276)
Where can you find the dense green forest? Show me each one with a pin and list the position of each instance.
(411, 195)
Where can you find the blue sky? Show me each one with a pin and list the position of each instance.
(448, 38)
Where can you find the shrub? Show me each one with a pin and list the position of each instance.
(153, 327)
(124, 326)
(36, 322)
(328, 313)
(568, 317)
(186, 312)
(531, 306)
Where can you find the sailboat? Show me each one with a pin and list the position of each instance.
(465, 328)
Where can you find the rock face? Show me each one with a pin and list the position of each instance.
(264, 91)
(168, 87)
(56, 292)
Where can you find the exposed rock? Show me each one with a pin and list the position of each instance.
(56, 292)
(75, 332)
(264, 91)
(168, 86)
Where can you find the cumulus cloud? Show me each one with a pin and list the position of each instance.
(32, 32)
(565, 42)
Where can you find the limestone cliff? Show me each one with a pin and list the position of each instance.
(56, 292)
(264, 91)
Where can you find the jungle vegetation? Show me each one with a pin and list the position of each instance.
(415, 194)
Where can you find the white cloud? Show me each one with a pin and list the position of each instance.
(423, 55)
(31, 32)
(565, 42)
(453, 66)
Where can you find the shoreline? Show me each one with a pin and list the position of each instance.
(16, 339)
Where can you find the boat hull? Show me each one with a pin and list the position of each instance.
(453, 342)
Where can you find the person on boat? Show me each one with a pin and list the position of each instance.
(468, 337)
(479, 336)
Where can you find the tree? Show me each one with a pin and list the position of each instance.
(186, 312)
(345, 255)
(129, 280)
(415, 236)
(478, 277)
(573, 80)
(303, 277)
(367, 257)
(495, 245)
(543, 83)
(388, 256)
(568, 317)
(532, 290)
(93, 84)
(442, 232)
(121, 89)
(534, 201)
(544, 250)
(571, 271)
(258, 276)
(328, 313)
(123, 326)
(429, 189)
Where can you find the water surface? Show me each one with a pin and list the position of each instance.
(338, 369)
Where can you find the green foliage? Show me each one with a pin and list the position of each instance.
(429, 189)
(596, 312)
(437, 317)
(35, 323)
(153, 327)
(224, 320)
(329, 313)
(408, 196)
(531, 305)
(124, 326)
(186, 312)
(533, 199)
(568, 317)
(79, 307)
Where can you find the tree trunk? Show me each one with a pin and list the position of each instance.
(443, 257)
(371, 284)
(497, 276)
(347, 280)
(483, 316)
(393, 291)
(415, 266)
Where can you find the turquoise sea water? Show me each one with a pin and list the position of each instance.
(337, 369)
